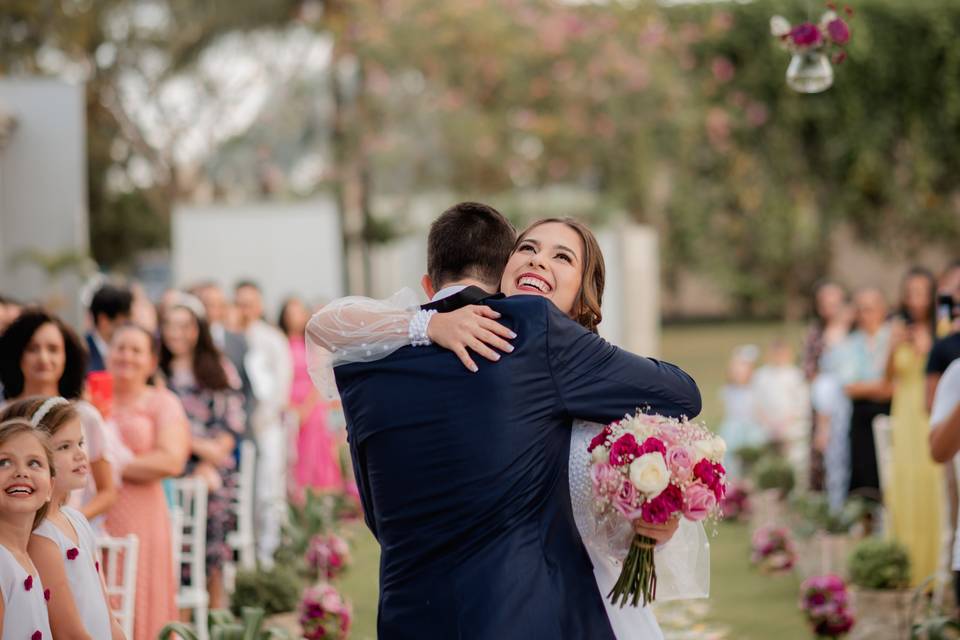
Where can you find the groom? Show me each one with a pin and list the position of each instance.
(463, 476)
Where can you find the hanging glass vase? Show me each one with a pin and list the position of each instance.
(810, 72)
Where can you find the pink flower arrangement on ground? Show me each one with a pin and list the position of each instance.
(824, 601)
(736, 503)
(773, 549)
(324, 614)
(327, 555)
(831, 33)
(654, 468)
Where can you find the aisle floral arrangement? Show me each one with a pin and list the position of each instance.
(773, 549)
(327, 556)
(811, 43)
(654, 468)
(324, 614)
(825, 603)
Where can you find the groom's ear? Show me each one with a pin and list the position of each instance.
(427, 285)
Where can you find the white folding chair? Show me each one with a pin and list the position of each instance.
(190, 498)
(241, 539)
(118, 565)
(883, 443)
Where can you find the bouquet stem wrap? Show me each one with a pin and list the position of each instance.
(638, 578)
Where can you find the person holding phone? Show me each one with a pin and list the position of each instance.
(913, 499)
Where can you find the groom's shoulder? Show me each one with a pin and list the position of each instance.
(530, 310)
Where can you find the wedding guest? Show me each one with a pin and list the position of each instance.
(208, 387)
(944, 351)
(914, 498)
(830, 325)
(41, 356)
(152, 424)
(27, 461)
(109, 308)
(271, 373)
(318, 464)
(861, 367)
(782, 402)
(231, 343)
(739, 428)
(945, 443)
(63, 546)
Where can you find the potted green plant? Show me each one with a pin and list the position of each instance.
(825, 537)
(276, 591)
(774, 479)
(881, 595)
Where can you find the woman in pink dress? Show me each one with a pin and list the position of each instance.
(318, 463)
(152, 424)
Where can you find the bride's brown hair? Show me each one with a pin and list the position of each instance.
(586, 310)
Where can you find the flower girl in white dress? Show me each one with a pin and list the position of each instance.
(63, 546)
(558, 259)
(26, 467)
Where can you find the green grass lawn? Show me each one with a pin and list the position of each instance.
(744, 605)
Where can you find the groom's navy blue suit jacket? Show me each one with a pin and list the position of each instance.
(463, 476)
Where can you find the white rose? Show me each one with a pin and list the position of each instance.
(649, 473)
(600, 454)
(703, 449)
(719, 448)
(779, 26)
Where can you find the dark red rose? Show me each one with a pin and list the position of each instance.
(838, 31)
(719, 488)
(839, 57)
(651, 445)
(73, 553)
(672, 498)
(36, 635)
(600, 439)
(28, 583)
(655, 511)
(46, 595)
(806, 34)
(624, 450)
(97, 565)
(706, 473)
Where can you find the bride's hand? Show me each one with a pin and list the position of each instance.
(474, 327)
(659, 532)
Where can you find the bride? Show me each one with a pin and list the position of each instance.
(559, 259)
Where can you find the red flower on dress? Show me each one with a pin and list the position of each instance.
(28, 583)
(36, 635)
(97, 565)
(73, 553)
(46, 595)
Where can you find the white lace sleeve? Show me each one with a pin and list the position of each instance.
(357, 329)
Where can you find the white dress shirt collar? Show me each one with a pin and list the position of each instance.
(446, 292)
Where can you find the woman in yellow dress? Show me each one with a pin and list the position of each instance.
(914, 498)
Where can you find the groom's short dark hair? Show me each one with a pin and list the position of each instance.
(469, 240)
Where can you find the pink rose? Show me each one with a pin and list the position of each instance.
(805, 35)
(653, 445)
(624, 450)
(600, 439)
(606, 480)
(838, 31)
(700, 501)
(626, 499)
(680, 462)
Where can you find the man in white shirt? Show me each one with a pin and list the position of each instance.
(945, 441)
(270, 368)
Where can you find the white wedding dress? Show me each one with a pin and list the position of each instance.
(358, 329)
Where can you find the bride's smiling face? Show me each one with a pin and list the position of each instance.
(548, 262)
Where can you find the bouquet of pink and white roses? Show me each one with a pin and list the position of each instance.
(324, 614)
(654, 468)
